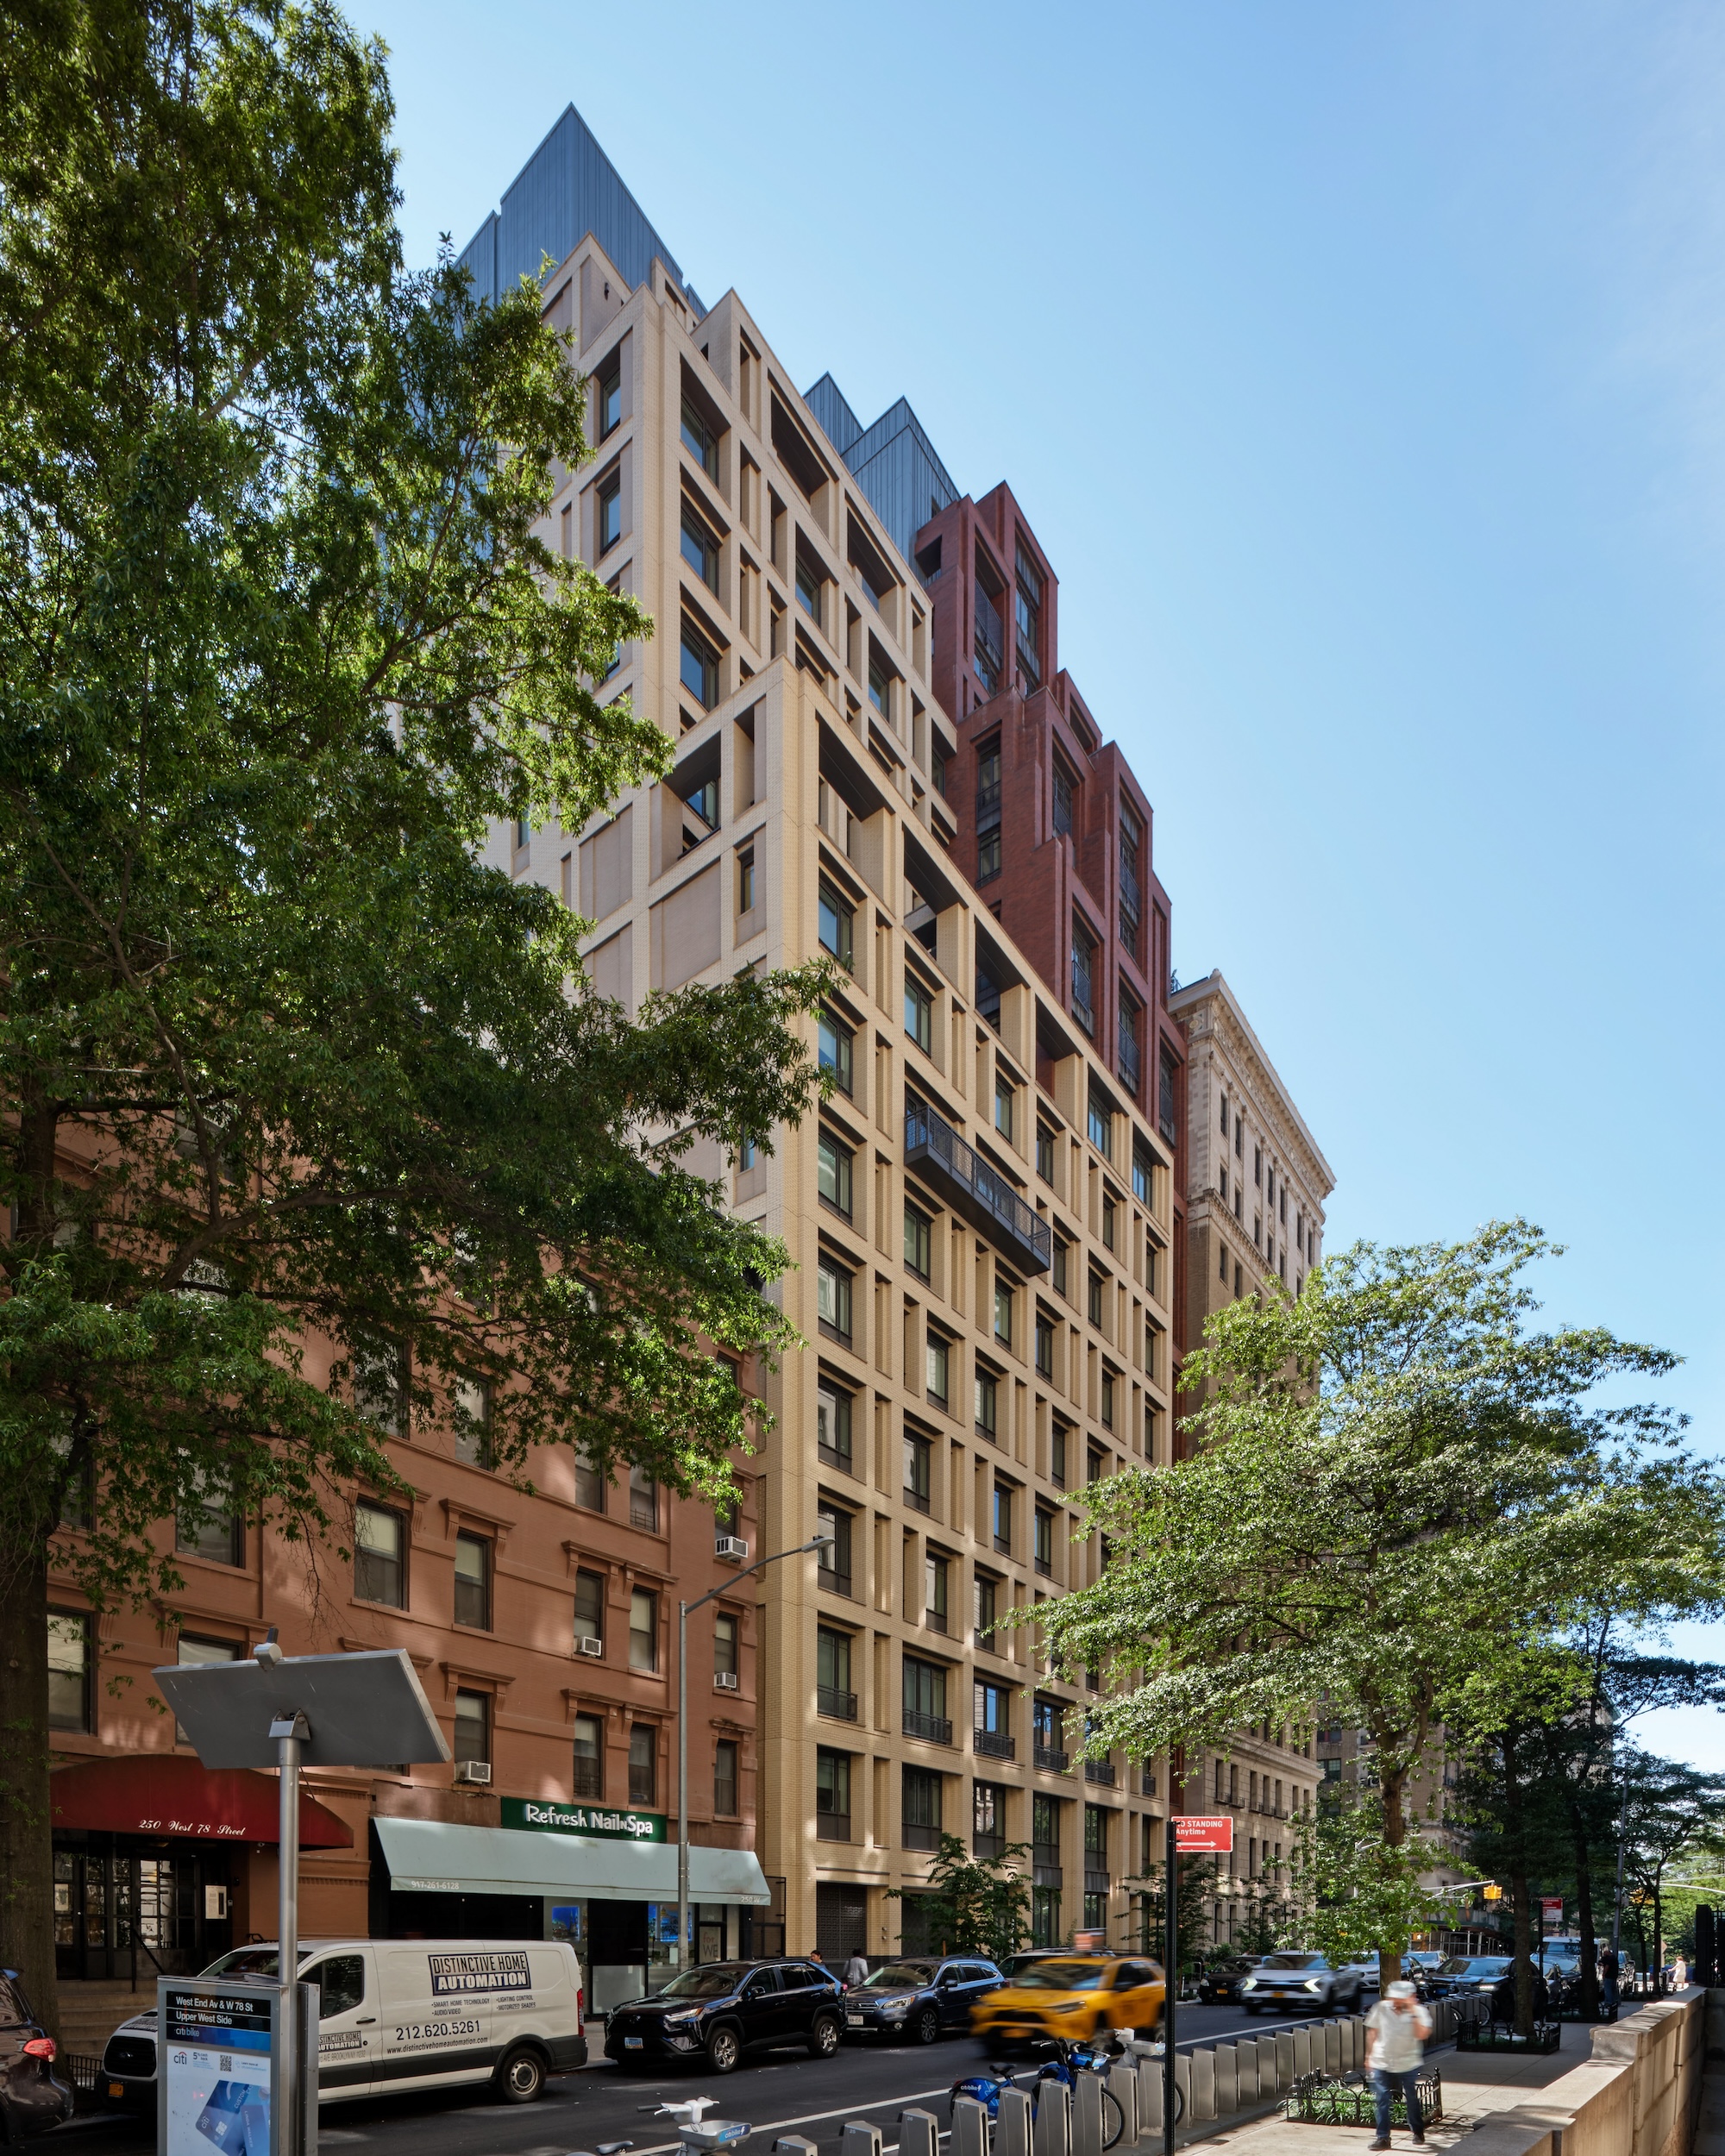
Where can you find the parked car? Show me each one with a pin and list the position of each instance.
(1462, 1974)
(1367, 1972)
(33, 2098)
(1312, 1982)
(1220, 1983)
(918, 1998)
(1077, 1996)
(396, 2017)
(718, 2010)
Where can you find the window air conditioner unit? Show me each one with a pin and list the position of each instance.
(726, 1680)
(590, 1645)
(731, 1546)
(477, 1770)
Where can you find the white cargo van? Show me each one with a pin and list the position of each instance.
(401, 2015)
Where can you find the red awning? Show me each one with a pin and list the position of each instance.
(165, 1793)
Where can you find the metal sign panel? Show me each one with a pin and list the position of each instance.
(1196, 1832)
(364, 1710)
(215, 2054)
(601, 1823)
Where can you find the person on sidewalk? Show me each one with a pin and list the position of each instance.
(856, 1970)
(1396, 2033)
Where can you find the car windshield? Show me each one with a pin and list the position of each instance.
(900, 1976)
(1292, 1961)
(1062, 1976)
(711, 1982)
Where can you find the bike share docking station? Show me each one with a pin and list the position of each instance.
(238, 2062)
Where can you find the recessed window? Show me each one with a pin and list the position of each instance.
(918, 1241)
(833, 1570)
(808, 584)
(608, 388)
(698, 667)
(725, 1756)
(988, 855)
(936, 1583)
(379, 1574)
(921, 1805)
(1045, 1152)
(1043, 1550)
(987, 1402)
(831, 1795)
(1109, 1212)
(1083, 1002)
(587, 1779)
(1093, 1308)
(1056, 1456)
(1044, 1346)
(473, 1581)
(1003, 1314)
(1144, 1185)
(835, 926)
(745, 882)
(1003, 1519)
(209, 1526)
(643, 1630)
(832, 1297)
(1005, 1101)
(985, 1595)
(1027, 616)
(1060, 1250)
(939, 1361)
(589, 1610)
(832, 1173)
(725, 1645)
(69, 1662)
(1225, 1115)
(1063, 798)
(1107, 1399)
(1102, 1127)
(699, 440)
(881, 689)
(608, 513)
(589, 1481)
(643, 1764)
(919, 1469)
(472, 1726)
(643, 1500)
(833, 1424)
(918, 1013)
(834, 1044)
(700, 549)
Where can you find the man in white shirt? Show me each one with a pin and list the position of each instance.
(1396, 2033)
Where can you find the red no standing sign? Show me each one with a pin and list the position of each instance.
(1193, 1834)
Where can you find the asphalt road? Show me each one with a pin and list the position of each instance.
(781, 2092)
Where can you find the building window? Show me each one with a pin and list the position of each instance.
(1094, 1304)
(881, 689)
(700, 549)
(700, 668)
(473, 1582)
(988, 1820)
(925, 1702)
(1164, 1102)
(643, 1501)
(832, 1299)
(587, 1779)
(1083, 1007)
(608, 511)
(832, 1173)
(472, 1422)
(919, 1242)
(745, 882)
(1129, 1062)
(1006, 1099)
(1044, 1346)
(1027, 616)
(1107, 1399)
(985, 1592)
(700, 441)
(725, 1645)
(1056, 1455)
(472, 1726)
(834, 926)
(208, 1525)
(724, 1777)
(937, 1580)
(1063, 798)
(988, 652)
(1045, 1152)
(1108, 1211)
(1102, 1125)
(379, 1574)
(590, 1609)
(1003, 1519)
(833, 1694)
(833, 1570)
(918, 1462)
(808, 584)
(833, 1425)
(918, 1013)
(1060, 1250)
(1143, 1177)
(1003, 1314)
(988, 855)
(939, 1366)
(988, 1402)
(835, 1049)
(68, 1670)
(831, 1795)
(1044, 1550)
(643, 1764)
(992, 1713)
(608, 386)
(921, 1808)
(589, 1482)
(643, 1629)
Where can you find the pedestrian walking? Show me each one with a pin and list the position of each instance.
(1608, 1979)
(1680, 1972)
(1396, 2033)
(856, 1969)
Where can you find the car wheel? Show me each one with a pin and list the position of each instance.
(923, 2028)
(722, 2051)
(823, 2037)
(521, 2077)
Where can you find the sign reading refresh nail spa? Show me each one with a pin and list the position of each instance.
(597, 1822)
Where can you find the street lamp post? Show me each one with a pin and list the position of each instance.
(819, 1542)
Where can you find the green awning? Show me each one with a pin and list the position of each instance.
(430, 1856)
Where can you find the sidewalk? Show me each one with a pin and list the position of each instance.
(1476, 2084)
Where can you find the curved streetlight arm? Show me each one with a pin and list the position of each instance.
(816, 1542)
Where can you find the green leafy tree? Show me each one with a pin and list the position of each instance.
(311, 1131)
(972, 1905)
(1675, 1814)
(1357, 1894)
(1401, 1496)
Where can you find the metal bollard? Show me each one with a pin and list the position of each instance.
(1285, 2068)
(1087, 2116)
(1200, 2101)
(1227, 2071)
(859, 2139)
(1150, 2097)
(792, 2145)
(1011, 2125)
(1246, 2071)
(919, 2134)
(970, 2128)
(1123, 2087)
(1052, 2133)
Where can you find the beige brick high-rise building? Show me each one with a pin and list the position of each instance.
(980, 1220)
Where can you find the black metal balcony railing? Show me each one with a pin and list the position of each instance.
(973, 1189)
(1049, 1758)
(932, 1729)
(991, 1745)
(840, 1706)
(1101, 1771)
(588, 1780)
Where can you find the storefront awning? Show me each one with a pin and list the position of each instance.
(165, 1793)
(430, 1855)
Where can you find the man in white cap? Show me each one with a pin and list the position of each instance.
(1396, 2033)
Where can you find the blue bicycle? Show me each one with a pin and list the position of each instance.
(1070, 2061)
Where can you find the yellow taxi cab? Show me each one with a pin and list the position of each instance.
(1075, 1996)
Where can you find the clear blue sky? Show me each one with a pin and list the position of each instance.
(1362, 372)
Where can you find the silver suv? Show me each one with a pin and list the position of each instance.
(1302, 1982)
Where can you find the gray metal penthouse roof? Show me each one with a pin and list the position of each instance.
(566, 189)
(893, 462)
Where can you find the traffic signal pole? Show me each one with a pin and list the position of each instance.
(1171, 1986)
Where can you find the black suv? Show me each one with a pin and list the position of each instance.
(918, 1998)
(719, 2009)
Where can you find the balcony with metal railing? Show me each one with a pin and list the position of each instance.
(1101, 1771)
(993, 1744)
(973, 1190)
(1050, 1759)
(840, 1707)
(931, 1729)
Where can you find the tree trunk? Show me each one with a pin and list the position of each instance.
(1583, 1895)
(1395, 1834)
(1519, 1900)
(1659, 1942)
(26, 1839)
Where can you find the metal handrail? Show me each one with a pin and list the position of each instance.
(924, 1127)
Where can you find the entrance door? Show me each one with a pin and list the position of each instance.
(118, 1914)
